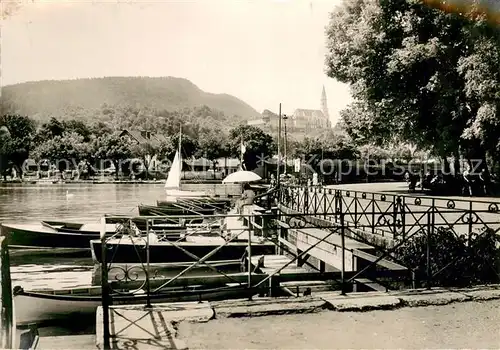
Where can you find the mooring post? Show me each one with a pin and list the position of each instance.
(7, 312)
(104, 286)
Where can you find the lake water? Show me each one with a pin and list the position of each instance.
(85, 203)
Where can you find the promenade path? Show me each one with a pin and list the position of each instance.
(371, 206)
(470, 325)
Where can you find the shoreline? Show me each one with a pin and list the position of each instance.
(97, 182)
(192, 325)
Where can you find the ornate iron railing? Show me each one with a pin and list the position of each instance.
(372, 239)
(400, 226)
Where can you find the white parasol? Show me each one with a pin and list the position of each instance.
(242, 176)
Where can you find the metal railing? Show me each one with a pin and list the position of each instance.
(371, 239)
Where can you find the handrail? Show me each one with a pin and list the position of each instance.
(332, 191)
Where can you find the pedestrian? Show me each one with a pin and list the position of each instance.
(467, 182)
(247, 198)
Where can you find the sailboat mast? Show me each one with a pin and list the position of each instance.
(180, 141)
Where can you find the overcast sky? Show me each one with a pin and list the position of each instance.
(262, 51)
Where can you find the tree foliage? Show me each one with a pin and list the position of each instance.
(213, 145)
(453, 260)
(259, 145)
(17, 146)
(66, 151)
(112, 147)
(428, 76)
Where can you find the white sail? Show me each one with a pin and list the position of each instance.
(174, 175)
(173, 183)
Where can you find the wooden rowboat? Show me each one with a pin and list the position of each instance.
(55, 234)
(44, 305)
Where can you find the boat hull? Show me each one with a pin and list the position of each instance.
(150, 210)
(203, 203)
(35, 307)
(127, 252)
(25, 236)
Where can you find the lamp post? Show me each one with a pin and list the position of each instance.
(279, 148)
(285, 117)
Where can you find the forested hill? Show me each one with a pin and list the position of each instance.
(78, 98)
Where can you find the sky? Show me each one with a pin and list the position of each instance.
(264, 52)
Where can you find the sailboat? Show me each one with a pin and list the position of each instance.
(173, 183)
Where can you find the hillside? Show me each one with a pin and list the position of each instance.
(76, 98)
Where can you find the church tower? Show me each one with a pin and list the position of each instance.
(324, 108)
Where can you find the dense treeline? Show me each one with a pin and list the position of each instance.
(72, 144)
(69, 143)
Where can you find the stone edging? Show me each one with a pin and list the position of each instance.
(352, 302)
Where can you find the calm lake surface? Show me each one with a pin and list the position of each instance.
(85, 203)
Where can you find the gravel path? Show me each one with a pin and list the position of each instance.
(470, 325)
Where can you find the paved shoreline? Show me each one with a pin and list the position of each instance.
(209, 324)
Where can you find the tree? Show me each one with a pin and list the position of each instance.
(99, 128)
(50, 129)
(4, 140)
(259, 145)
(145, 152)
(18, 145)
(65, 151)
(79, 127)
(189, 145)
(113, 148)
(428, 76)
(212, 146)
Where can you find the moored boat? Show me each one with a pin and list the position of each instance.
(66, 235)
(133, 250)
(151, 210)
(43, 305)
(51, 234)
(214, 203)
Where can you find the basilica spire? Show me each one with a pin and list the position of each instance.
(324, 106)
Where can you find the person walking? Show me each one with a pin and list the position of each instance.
(467, 181)
(247, 198)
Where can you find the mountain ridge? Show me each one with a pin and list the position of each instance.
(54, 98)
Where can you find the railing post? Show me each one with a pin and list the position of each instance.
(7, 304)
(373, 214)
(403, 218)
(104, 286)
(342, 240)
(148, 283)
(250, 260)
(306, 200)
(315, 208)
(430, 231)
(324, 203)
(395, 202)
(470, 224)
(355, 209)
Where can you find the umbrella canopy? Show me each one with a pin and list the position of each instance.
(241, 177)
